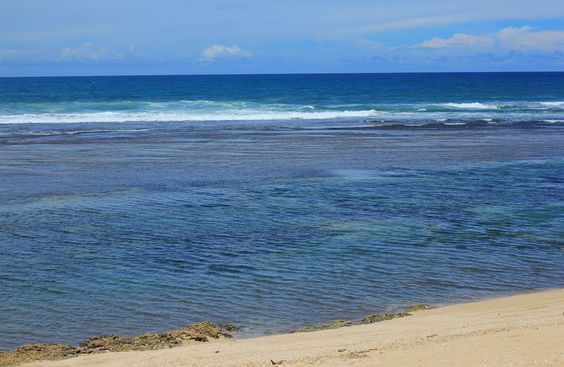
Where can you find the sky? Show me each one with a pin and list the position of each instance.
(139, 37)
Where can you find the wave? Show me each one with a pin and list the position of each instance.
(505, 106)
(69, 132)
(553, 104)
(472, 106)
(180, 116)
(432, 124)
(207, 110)
(553, 121)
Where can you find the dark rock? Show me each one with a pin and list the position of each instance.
(383, 316)
(35, 352)
(200, 332)
(104, 343)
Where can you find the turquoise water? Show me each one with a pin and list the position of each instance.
(133, 204)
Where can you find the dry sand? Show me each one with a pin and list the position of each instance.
(524, 330)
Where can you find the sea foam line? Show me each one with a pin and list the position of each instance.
(179, 116)
(472, 106)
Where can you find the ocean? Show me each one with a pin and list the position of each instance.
(136, 204)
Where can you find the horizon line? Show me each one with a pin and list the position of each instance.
(298, 73)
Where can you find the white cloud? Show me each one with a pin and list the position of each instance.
(507, 39)
(218, 51)
(526, 38)
(89, 53)
(458, 40)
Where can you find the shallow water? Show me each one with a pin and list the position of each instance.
(144, 226)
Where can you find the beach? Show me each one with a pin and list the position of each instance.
(274, 183)
(523, 330)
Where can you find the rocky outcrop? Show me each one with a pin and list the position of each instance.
(369, 319)
(197, 332)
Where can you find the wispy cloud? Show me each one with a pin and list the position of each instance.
(459, 40)
(409, 23)
(526, 38)
(87, 52)
(507, 39)
(214, 52)
(394, 25)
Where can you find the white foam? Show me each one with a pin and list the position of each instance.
(472, 106)
(553, 104)
(553, 121)
(73, 132)
(179, 116)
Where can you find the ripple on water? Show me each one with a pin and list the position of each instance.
(275, 254)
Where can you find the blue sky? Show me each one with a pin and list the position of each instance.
(103, 37)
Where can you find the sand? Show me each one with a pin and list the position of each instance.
(525, 330)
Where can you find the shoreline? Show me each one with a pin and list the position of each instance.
(520, 330)
(190, 334)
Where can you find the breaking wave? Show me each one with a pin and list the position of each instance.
(472, 106)
(205, 110)
(179, 116)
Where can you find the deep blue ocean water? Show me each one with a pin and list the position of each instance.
(134, 204)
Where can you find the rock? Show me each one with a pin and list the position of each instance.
(200, 331)
(104, 343)
(331, 325)
(370, 319)
(383, 316)
(35, 352)
(418, 307)
(229, 327)
(150, 341)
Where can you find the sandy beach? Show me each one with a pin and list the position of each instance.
(524, 330)
(281, 184)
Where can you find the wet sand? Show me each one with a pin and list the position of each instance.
(524, 330)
